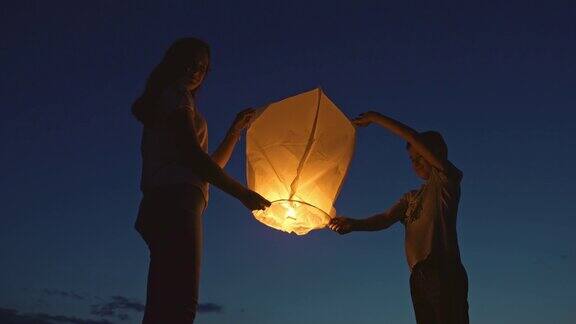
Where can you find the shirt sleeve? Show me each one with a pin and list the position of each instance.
(451, 174)
(398, 210)
(175, 100)
(447, 184)
(175, 106)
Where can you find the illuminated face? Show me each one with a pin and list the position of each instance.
(419, 164)
(196, 74)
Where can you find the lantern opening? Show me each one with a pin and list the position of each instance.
(293, 216)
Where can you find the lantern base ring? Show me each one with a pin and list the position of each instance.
(293, 216)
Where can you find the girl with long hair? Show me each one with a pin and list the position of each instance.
(176, 172)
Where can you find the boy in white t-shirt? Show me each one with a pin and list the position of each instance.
(438, 280)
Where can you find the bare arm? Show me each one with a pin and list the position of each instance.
(222, 154)
(210, 171)
(406, 133)
(224, 151)
(377, 222)
(343, 225)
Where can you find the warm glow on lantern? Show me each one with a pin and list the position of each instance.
(293, 216)
(298, 151)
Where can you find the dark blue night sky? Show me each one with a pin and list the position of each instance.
(497, 78)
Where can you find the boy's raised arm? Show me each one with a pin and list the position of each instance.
(406, 133)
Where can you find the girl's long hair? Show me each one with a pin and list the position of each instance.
(180, 60)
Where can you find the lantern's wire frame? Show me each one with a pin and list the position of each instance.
(302, 202)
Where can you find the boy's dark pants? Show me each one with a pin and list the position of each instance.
(439, 292)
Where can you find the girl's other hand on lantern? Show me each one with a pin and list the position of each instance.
(253, 201)
(365, 119)
(243, 120)
(341, 225)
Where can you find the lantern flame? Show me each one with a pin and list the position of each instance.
(293, 216)
(290, 212)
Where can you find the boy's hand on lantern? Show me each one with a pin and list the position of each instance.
(365, 119)
(341, 225)
(253, 201)
(243, 120)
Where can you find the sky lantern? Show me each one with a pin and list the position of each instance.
(298, 151)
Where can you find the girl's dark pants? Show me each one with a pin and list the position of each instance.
(439, 292)
(170, 221)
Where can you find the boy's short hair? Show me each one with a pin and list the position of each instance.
(434, 142)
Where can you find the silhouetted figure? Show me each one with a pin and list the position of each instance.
(438, 280)
(175, 176)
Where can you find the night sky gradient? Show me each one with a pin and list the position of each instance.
(496, 78)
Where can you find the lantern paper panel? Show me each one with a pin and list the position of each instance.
(298, 151)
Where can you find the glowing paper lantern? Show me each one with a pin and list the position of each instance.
(297, 152)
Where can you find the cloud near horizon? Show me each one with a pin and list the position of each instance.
(65, 294)
(210, 308)
(13, 316)
(117, 306)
